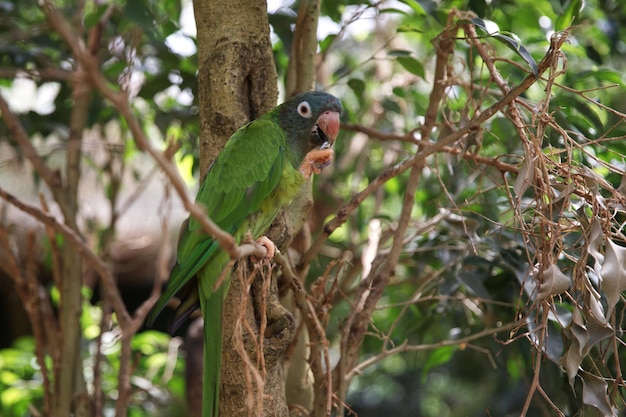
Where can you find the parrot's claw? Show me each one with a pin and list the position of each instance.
(315, 161)
(268, 245)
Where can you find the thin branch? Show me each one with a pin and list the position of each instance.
(514, 113)
(405, 347)
(39, 74)
(17, 131)
(371, 289)
(444, 44)
(549, 401)
(76, 241)
(408, 137)
(123, 378)
(30, 294)
(318, 342)
(120, 101)
(537, 365)
(342, 214)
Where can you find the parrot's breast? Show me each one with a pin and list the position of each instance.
(283, 194)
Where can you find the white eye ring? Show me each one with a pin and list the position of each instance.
(304, 110)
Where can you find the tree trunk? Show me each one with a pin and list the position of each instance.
(237, 82)
(236, 71)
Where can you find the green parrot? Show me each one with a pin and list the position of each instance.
(261, 169)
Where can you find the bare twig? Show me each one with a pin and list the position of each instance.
(243, 331)
(45, 73)
(535, 384)
(36, 305)
(318, 343)
(343, 212)
(405, 347)
(120, 101)
(51, 178)
(75, 241)
(409, 137)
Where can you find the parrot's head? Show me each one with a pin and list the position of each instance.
(311, 121)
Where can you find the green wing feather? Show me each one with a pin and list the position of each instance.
(245, 173)
(237, 194)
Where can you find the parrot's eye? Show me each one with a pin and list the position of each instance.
(305, 110)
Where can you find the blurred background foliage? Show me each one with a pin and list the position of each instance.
(158, 384)
(463, 268)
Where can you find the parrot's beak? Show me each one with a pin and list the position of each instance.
(329, 123)
(326, 129)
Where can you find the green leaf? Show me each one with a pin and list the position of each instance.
(92, 17)
(474, 283)
(588, 112)
(415, 6)
(570, 14)
(14, 395)
(357, 85)
(487, 26)
(412, 65)
(137, 12)
(391, 105)
(478, 6)
(399, 92)
(327, 42)
(399, 52)
(409, 28)
(438, 357)
(511, 41)
(599, 75)
(393, 11)
(282, 22)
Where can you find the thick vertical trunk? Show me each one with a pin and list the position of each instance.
(237, 82)
(236, 74)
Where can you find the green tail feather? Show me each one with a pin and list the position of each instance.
(212, 314)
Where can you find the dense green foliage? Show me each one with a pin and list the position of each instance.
(518, 226)
(157, 377)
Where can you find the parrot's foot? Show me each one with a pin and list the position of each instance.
(315, 161)
(268, 245)
(270, 248)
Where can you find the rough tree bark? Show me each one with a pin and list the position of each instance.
(237, 82)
